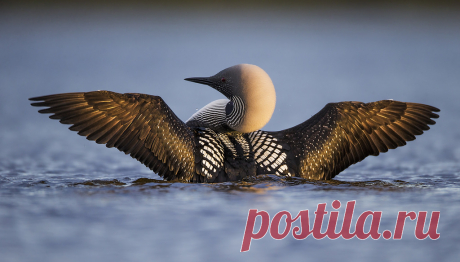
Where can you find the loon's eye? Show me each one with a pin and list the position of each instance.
(223, 80)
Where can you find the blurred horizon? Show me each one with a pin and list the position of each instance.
(237, 4)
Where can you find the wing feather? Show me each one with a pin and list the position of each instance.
(344, 133)
(137, 124)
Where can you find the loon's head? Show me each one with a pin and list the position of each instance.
(251, 93)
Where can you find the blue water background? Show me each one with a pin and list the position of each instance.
(63, 198)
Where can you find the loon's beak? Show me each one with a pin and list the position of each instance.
(200, 80)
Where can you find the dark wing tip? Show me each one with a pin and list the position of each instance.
(56, 97)
(423, 112)
(37, 98)
(41, 100)
(435, 109)
(423, 107)
(46, 98)
(38, 104)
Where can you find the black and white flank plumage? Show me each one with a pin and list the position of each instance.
(223, 140)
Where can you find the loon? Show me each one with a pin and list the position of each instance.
(223, 141)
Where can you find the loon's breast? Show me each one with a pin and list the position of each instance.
(231, 156)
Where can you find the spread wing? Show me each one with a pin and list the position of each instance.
(137, 124)
(342, 134)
